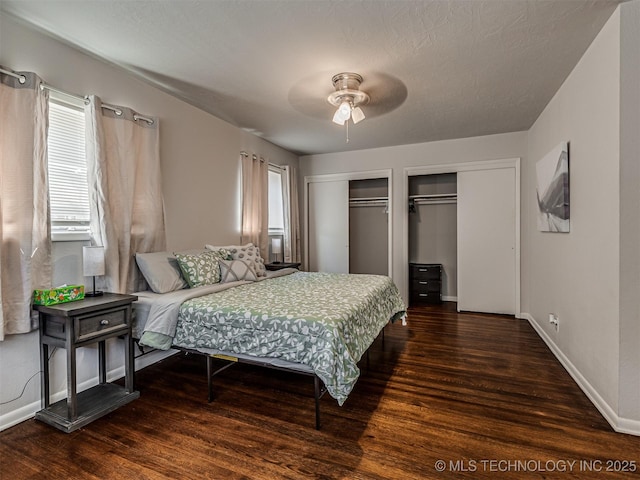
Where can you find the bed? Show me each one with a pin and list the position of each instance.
(317, 324)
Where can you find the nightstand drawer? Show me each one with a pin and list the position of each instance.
(103, 323)
(425, 272)
(425, 286)
(426, 297)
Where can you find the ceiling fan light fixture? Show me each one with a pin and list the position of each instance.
(347, 98)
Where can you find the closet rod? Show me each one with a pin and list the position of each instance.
(433, 196)
(433, 201)
(368, 204)
(369, 199)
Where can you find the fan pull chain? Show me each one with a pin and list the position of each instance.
(347, 129)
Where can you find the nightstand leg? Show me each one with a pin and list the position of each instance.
(102, 362)
(44, 366)
(72, 400)
(128, 364)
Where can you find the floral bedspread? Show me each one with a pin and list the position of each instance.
(323, 320)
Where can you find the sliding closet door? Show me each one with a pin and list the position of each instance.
(486, 241)
(329, 226)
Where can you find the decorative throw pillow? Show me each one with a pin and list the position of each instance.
(200, 269)
(248, 253)
(161, 271)
(235, 270)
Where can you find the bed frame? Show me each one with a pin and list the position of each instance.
(318, 387)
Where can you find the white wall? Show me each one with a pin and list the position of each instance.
(590, 276)
(201, 180)
(629, 387)
(492, 147)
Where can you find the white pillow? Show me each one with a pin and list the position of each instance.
(248, 253)
(161, 271)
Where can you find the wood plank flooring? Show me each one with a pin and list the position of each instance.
(481, 393)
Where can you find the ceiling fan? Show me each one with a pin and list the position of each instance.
(347, 98)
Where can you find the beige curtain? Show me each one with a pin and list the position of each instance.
(255, 202)
(125, 189)
(25, 240)
(291, 215)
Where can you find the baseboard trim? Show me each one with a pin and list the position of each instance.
(26, 412)
(449, 299)
(619, 424)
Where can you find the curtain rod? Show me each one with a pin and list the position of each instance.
(116, 110)
(245, 154)
(22, 79)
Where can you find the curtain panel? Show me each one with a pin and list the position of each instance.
(291, 215)
(255, 202)
(25, 245)
(125, 190)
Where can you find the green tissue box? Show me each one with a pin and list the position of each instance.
(53, 296)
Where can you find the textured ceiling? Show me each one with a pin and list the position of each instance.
(434, 69)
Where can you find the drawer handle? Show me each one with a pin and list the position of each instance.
(424, 294)
(423, 270)
(104, 322)
(423, 283)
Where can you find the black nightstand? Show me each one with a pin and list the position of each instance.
(78, 324)
(280, 265)
(425, 283)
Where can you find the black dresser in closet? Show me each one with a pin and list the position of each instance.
(425, 283)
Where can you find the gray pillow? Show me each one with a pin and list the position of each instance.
(161, 271)
(247, 253)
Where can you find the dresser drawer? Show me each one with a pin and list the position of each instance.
(425, 272)
(90, 326)
(425, 297)
(422, 286)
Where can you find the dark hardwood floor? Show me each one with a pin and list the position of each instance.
(481, 393)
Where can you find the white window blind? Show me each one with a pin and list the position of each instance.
(68, 189)
(276, 203)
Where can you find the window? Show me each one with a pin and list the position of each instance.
(276, 202)
(68, 187)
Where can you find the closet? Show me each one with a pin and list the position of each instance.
(347, 226)
(369, 226)
(465, 217)
(433, 238)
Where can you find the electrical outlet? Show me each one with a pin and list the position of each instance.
(553, 320)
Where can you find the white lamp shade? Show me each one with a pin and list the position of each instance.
(357, 115)
(276, 246)
(93, 261)
(342, 113)
(338, 118)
